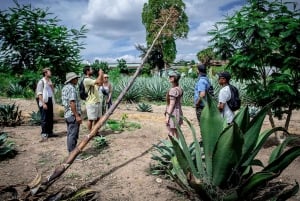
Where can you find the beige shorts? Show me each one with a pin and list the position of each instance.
(93, 111)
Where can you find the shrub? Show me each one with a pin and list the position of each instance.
(143, 107)
(226, 170)
(15, 90)
(155, 88)
(35, 118)
(7, 149)
(100, 142)
(10, 115)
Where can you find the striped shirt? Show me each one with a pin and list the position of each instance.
(69, 94)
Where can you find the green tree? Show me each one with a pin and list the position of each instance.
(206, 55)
(31, 39)
(100, 65)
(262, 44)
(165, 45)
(122, 66)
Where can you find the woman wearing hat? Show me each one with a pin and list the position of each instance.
(71, 103)
(173, 113)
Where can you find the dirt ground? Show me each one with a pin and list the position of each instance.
(125, 159)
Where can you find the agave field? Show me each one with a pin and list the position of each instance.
(134, 159)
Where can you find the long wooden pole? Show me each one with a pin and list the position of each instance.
(60, 169)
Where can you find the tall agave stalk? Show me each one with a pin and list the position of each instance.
(226, 172)
(169, 18)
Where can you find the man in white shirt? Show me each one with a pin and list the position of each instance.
(224, 96)
(45, 101)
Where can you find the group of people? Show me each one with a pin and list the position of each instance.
(99, 94)
(175, 94)
(100, 89)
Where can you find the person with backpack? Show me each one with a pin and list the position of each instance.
(91, 86)
(225, 96)
(202, 87)
(45, 102)
(174, 101)
(72, 115)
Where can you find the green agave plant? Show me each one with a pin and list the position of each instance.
(226, 170)
(155, 88)
(133, 95)
(10, 115)
(143, 107)
(6, 148)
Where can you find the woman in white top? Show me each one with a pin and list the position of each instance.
(106, 91)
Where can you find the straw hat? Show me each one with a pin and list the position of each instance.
(70, 76)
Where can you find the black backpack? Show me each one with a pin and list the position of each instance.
(83, 95)
(235, 102)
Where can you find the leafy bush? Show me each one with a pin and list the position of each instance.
(100, 142)
(15, 90)
(35, 118)
(10, 115)
(143, 107)
(226, 170)
(7, 149)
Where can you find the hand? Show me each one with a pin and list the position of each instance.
(100, 71)
(45, 107)
(78, 119)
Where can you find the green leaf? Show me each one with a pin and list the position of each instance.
(285, 195)
(252, 134)
(211, 126)
(255, 181)
(242, 119)
(227, 154)
(279, 149)
(182, 160)
(279, 164)
(260, 142)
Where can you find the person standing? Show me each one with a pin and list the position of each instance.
(201, 88)
(93, 100)
(72, 114)
(173, 108)
(224, 96)
(106, 91)
(45, 102)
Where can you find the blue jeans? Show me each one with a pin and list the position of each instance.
(72, 132)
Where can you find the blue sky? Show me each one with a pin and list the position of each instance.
(115, 26)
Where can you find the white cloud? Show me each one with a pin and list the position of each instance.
(115, 26)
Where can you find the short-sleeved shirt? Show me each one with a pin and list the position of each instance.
(69, 94)
(224, 96)
(93, 91)
(201, 86)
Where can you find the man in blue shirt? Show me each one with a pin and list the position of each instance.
(200, 91)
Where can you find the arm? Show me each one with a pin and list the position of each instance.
(221, 106)
(170, 109)
(201, 96)
(110, 92)
(99, 80)
(74, 111)
(39, 92)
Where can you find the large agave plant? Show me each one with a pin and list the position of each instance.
(226, 170)
(133, 95)
(156, 88)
